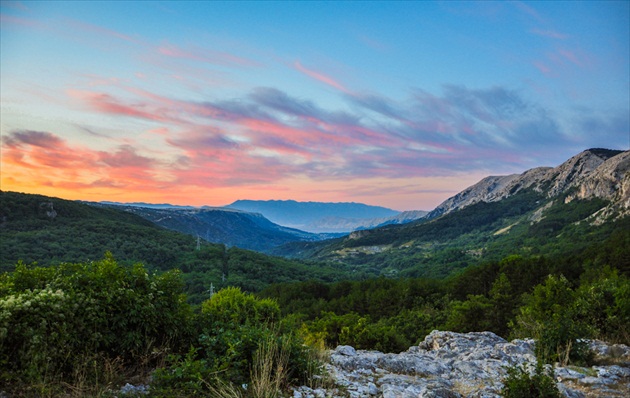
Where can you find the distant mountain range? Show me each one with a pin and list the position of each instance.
(231, 227)
(318, 216)
(543, 211)
(147, 205)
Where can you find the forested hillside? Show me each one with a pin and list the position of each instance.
(50, 231)
(587, 293)
(544, 211)
(230, 227)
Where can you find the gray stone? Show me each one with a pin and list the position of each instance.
(448, 364)
(346, 350)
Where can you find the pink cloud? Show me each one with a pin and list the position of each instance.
(30, 23)
(105, 103)
(321, 77)
(16, 5)
(573, 57)
(60, 164)
(528, 10)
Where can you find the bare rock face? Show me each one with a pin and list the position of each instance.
(448, 364)
(610, 180)
(593, 173)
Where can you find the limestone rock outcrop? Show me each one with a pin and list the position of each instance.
(448, 364)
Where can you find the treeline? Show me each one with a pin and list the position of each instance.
(586, 295)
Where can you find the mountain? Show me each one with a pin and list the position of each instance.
(231, 227)
(543, 211)
(49, 230)
(594, 173)
(315, 216)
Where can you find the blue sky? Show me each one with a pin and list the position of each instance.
(400, 104)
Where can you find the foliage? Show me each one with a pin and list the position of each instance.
(64, 321)
(520, 383)
(239, 341)
(550, 315)
(52, 320)
(392, 314)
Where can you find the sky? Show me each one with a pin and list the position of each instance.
(396, 104)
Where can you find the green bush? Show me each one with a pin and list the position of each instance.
(233, 329)
(519, 383)
(53, 320)
(552, 317)
(232, 306)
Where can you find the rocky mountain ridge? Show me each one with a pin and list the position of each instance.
(599, 173)
(454, 365)
(549, 210)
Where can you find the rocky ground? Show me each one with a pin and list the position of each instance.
(448, 364)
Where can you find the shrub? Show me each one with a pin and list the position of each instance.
(552, 317)
(53, 321)
(239, 343)
(520, 383)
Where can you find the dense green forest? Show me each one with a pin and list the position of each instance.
(85, 328)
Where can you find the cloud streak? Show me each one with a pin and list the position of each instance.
(321, 77)
(276, 134)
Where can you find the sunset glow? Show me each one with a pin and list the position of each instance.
(393, 104)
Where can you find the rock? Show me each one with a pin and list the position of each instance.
(130, 389)
(372, 389)
(345, 350)
(448, 364)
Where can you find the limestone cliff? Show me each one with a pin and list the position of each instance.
(593, 173)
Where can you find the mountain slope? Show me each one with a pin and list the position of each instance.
(542, 211)
(49, 230)
(596, 172)
(231, 227)
(307, 215)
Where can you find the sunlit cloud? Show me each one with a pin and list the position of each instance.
(101, 31)
(321, 77)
